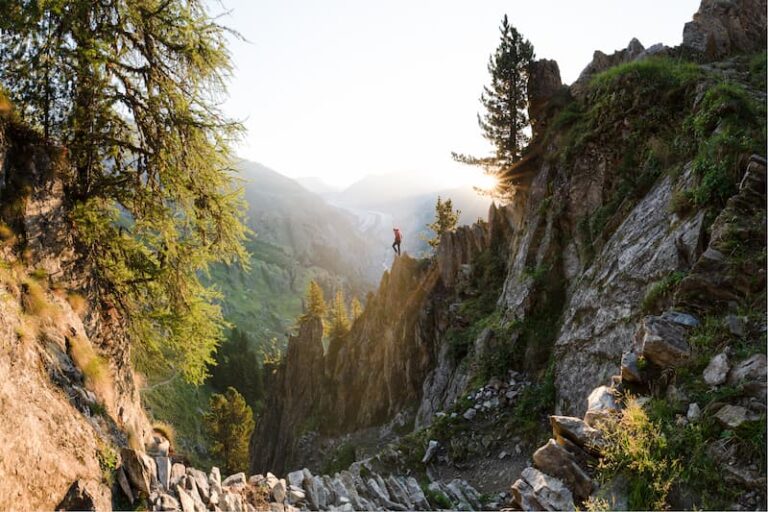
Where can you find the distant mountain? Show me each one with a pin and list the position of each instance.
(297, 237)
(317, 186)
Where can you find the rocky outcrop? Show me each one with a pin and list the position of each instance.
(724, 27)
(601, 62)
(543, 84)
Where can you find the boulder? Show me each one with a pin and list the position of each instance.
(238, 479)
(694, 412)
(139, 472)
(201, 482)
(601, 406)
(684, 319)
(398, 492)
(430, 452)
(543, 83)
(601, 62)
(470, 413)
(731, 416)
(163, 465)
(77, 498)
(416, 494)
(538, 491)
(187, 503)
(662, 342)
(177, 471)
(296, 495)
(725, 27)
(752, 369)
(125, 486)
(737, 325)
(214, 479)
(577, 431)
(630, 371)
(717, 370)
(297, 478)
(167, 502)
(554, 460)
(158, 446)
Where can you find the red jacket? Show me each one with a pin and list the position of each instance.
(398, 236)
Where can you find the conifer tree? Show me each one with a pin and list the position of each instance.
(229, 424)
(132, 90)
(338, 320)
(356, 308)
(238, 366)
(315, 307)
(505, 121)
(446, 220)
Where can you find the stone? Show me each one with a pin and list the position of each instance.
(398, 492)
(233, 502)
(503, 455)
(201, 483)
(731, 416)
(257, 480)
(125, 486)
(737, 325)
(577, 431)
(751, 369)
(615, 493)
(163, 471)
(601, 406)
(214, 479)
(296, 495)
(543, 83)
(684, 319)
(296, 478)
(158, 446)
(538, 491)
(416, 494)
(430, 452)
(238, 479)
(137, 470)
(694, 412)
(662, 342)
(168, 502)
(554, 460)
(470, 414)
(630, 372)
(717, 370)
(187, 503)
(177, 471)
(277, 487)
(77, 498)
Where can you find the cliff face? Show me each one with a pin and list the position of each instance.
(613, 203)
(68, 394)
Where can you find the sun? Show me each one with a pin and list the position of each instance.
(485, 182)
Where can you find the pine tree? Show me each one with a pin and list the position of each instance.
(356, 308)
(315, 307)
(132, 90)
(238, 366)
(338, 320)
(446, 220)
(505, 120)
(229, 424)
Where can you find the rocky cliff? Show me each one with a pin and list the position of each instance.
(68, 397)
(613, 212)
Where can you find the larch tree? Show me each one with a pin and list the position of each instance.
(338, 319)
(505, 121)
(229, 424)
(356, 308)
(132, 89)
(315, 302)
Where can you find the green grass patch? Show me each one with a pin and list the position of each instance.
(660, 290)
(342, 458)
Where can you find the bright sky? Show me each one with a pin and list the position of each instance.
(344, 88)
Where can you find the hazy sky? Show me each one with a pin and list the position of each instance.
(340, 89)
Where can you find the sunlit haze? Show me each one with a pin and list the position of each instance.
(341, 89)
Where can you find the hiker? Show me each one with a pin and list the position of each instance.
(398, 239)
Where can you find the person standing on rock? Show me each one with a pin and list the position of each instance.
(398, 239)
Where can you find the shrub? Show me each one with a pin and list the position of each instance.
(343, 457)
(638, 449)
(6, 234)
(108, 462)
(166, 430)
(94, 367)
(660, 290)
(78, 303)
(437, 498)
(34, 300)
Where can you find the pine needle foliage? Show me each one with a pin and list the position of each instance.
(338, 319)
(230, 423)
(316, 306)
(505, 121)
(446, 220)
(132, 89)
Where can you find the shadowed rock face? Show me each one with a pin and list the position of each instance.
(721, 28)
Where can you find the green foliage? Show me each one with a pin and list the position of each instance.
(757, 70)
(131, 90)
(638, 449)
(505, 101)
(660, 290)
(229, 424)
(437, 498)
(108, 462)
(535, 403)
(446, 220)
(238, 366)
(342, 458)
(356, 308)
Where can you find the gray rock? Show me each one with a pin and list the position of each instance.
(232, 502)
(752, 369)
(470, 414)
(159, 446)
(717, 370)
(238, 479)
(694, 412)
(380, 496)
(77, 498)
(721, 28)
(177, 471)
(416, 494)
(297, 478)
(601, 406)
(554, 460)
(214, 480)
(737, 325)
(538, 491)
(163, 471)
(296, 495)
(187, 503)
(431, 449)
(167, 502)
(398, 492)
(125, 486)
(630, 372)
(614, 493)
(257, 480)
(684, 319)
(577, 431)
(137, 469)
(731, 416)
(662, 342)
